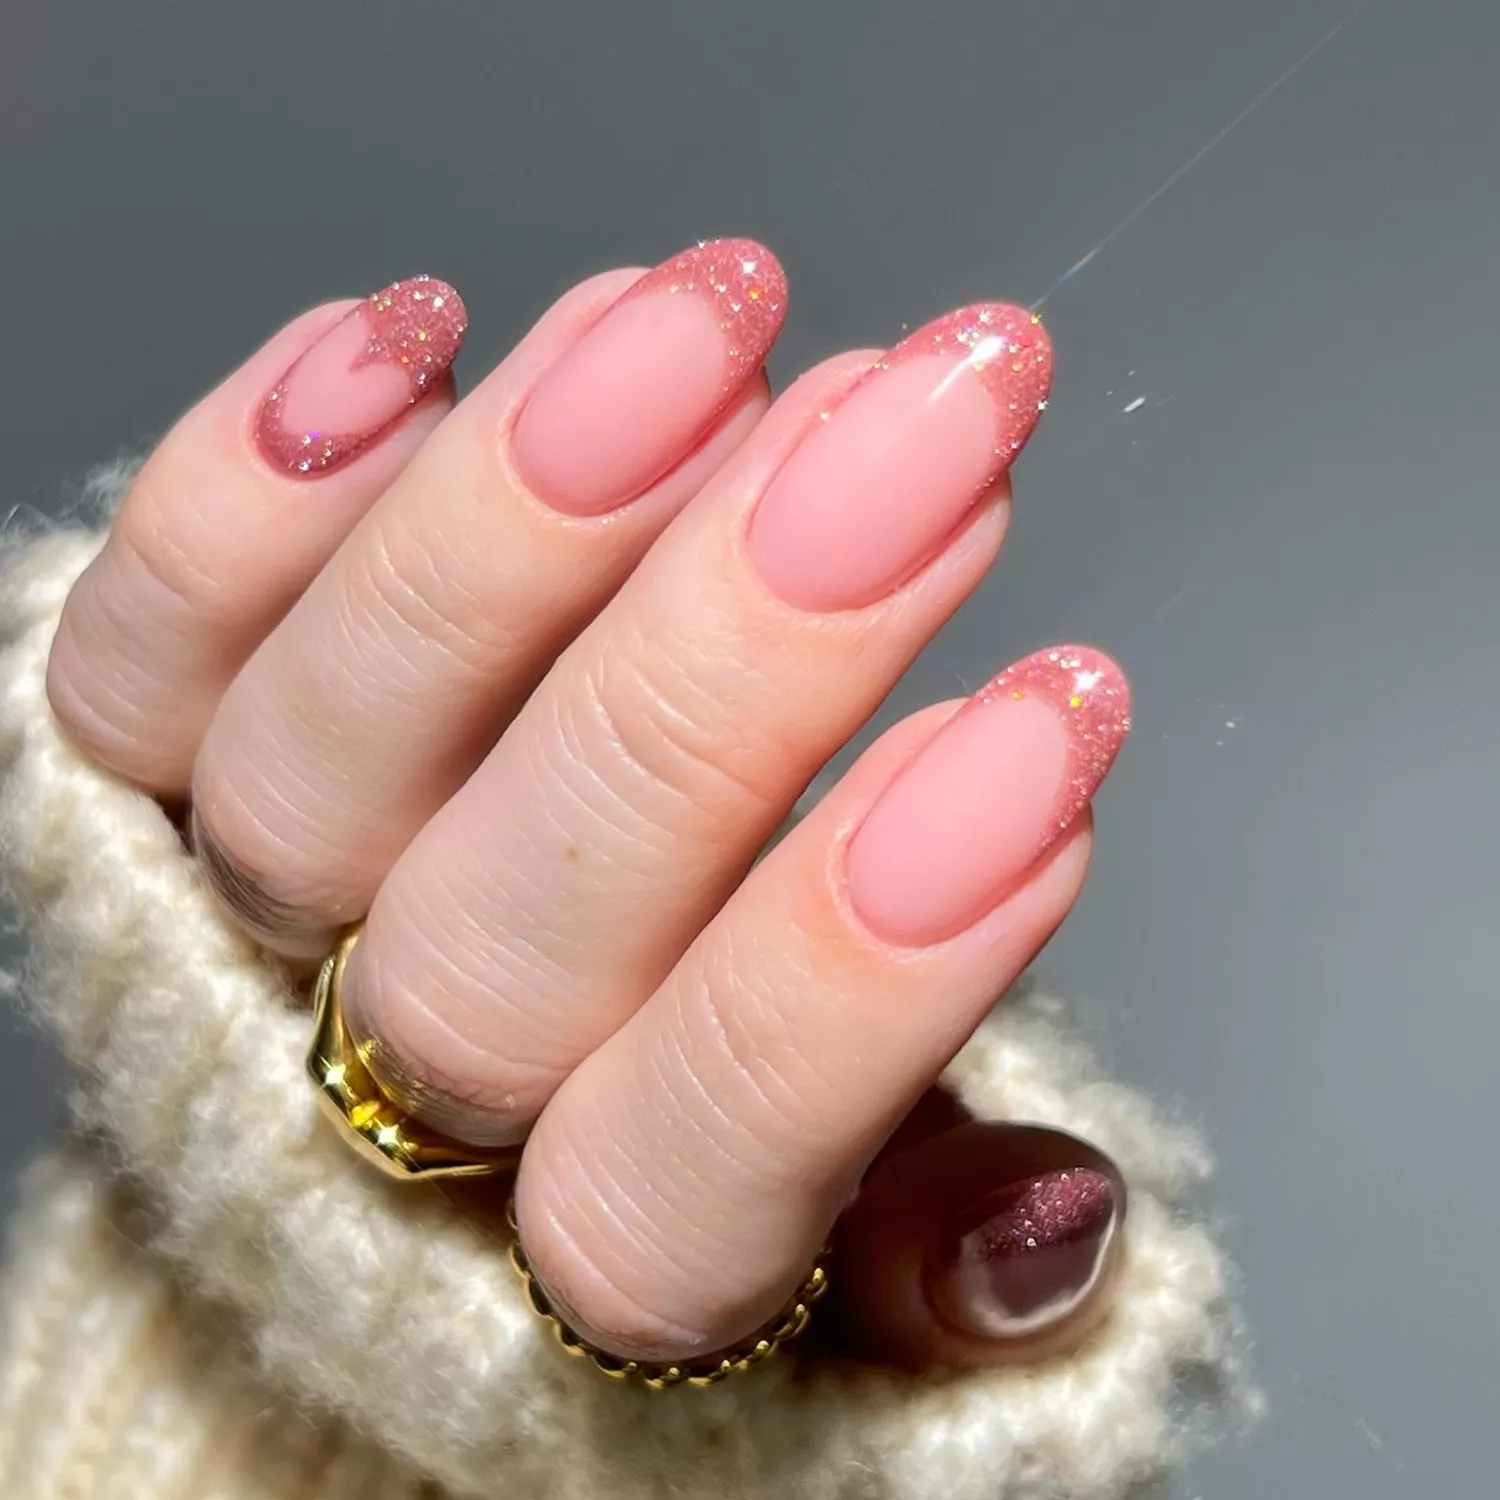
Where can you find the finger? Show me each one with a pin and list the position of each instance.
(378, 694)
(546, 901)
(981, 1245)
(236, 510)
(680, 1181)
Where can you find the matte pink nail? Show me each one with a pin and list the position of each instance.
(879, 487)
(343, 393)
(1021, 1260)
(987, 796)
(642, 387)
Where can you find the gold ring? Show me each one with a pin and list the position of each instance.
(402, 1147)
(788, 1325)
(376, 1126)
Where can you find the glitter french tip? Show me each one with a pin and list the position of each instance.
(1023, 1259)
(640, 390)
(963, 825)
(1090, 696)
(1007, 348)
(346, 391)
(888, 476)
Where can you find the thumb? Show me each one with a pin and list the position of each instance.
(980, 1245)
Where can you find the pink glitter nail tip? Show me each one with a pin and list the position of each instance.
(358, 378)
(1056, 1208)
(1021, 1261)
(744, 285)
(1008, 349)
(1091, 696)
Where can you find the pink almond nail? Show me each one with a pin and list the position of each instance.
(987, 796)
(889, 475)
(642, 387)
(345, 391)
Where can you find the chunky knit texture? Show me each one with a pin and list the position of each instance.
(385, 1321)
(118, 1383)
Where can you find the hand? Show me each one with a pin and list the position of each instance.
(530, 679)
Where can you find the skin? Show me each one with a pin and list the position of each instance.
(540, 751)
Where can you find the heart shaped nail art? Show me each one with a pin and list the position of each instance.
(353, 383)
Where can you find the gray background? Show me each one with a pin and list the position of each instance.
(1290, 543)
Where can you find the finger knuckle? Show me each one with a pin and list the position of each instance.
(106, 693)
(673, 736)
(264, 855)
(611, 1271)
(458, 1013)
(155, 548)
(147, 604)
(95, 702)
(409, 594)
(739, 1046)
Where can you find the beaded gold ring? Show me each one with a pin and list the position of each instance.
(660, 1377)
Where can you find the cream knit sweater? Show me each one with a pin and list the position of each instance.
(208, 1295)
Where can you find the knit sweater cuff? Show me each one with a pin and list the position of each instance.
(395, 1309)
(116, 1383)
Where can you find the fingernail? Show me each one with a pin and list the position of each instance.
(987, 796)
(1024, 1258)
(643, 386)
(888, 476)
(353, 384)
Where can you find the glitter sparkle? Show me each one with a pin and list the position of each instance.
(1007, 348)
(417, 325)
(1091, 695)
(743, 284)
(1057, 1208)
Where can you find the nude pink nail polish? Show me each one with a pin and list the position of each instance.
(345, 391)
(891, 472)
(644, 385)
(987, 796)
(1022, 1259)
